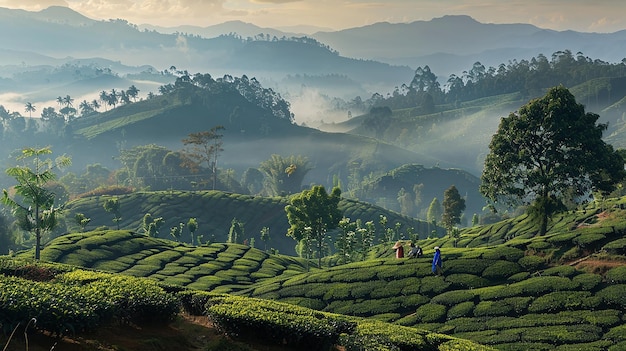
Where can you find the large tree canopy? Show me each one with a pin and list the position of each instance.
(547, 148)
(312, 213)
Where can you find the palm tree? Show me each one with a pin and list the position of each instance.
(68, 101)
(60, 101)
(30, 108)
(112, 98)
(95, 105)
(132, 92)
(104, 97)
(85, 108)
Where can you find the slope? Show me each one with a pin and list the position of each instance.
(215, 210)
(502, 285)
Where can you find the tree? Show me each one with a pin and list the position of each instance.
(112, 205)
(548, 147)
(235, 234)
(192, 225)
(204, 148)
(132, 92)
(177, 231)
(316, 211)
(30, 108)
(82, 221)
(346, 240)
(453, 207)
(406, 202)
(434, 211)
(33, 204)
(284, 174)
(378, 120)
(265, 235)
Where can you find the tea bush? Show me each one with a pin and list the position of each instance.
(492, 308)
(466, 281)
(560, 300)
(453, 297)
(501, 270)
(463, 309)
(531, 263)
(431, 312)
(614, 295)
(616, 275)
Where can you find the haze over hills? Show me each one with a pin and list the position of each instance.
(59, 52)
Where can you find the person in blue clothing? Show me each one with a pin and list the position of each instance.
(437, 265)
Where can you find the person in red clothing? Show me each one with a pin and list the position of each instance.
(399, 249)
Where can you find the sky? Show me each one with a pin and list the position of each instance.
(603, 16)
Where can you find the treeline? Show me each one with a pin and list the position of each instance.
(528, 77)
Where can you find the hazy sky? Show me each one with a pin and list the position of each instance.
(580, 15)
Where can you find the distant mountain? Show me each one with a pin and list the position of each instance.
(464, 41)
(232, 48)
(241, 28)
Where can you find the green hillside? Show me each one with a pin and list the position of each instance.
(215, 210)
(72, 304)
(502, 285)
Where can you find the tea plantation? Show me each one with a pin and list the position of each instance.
(214, 211)
(502, 286)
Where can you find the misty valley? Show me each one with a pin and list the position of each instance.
(259, 186)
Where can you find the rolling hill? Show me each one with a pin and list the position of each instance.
(215, 210)
(502, 285)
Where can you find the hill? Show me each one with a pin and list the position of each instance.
(502, 285)
(215, 210)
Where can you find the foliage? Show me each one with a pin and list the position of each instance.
(284, 175)
(312, 213)
(453, 206)
(547, 148)
(33, 204)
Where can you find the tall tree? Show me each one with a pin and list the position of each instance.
(192, 225)
(549, 147)
(235, 234)
(30, 108)
(434, 212)
(453, 207)
(314, 211)
(33, 204)
(204, 148)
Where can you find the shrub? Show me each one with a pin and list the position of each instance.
(616, 275)
(559, 300)
(614, 295)
(337, 291)
(518, 277)
(501, 270)
(463, 309)
(561, 271)
(506, 253)
(536, 286)
(563, 334)
(492, 308)
(297, 326)
(468, 266)
(450, 298)
(468, 324)
(531, 263)
(587, 281)
(518, 303)
(431, 312)
(433, 285)
(467, 281)
(617, 333)
(497, 292)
